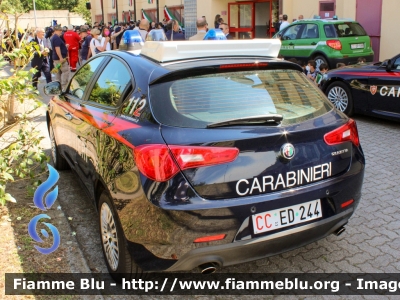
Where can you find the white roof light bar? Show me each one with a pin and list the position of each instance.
(176, 50)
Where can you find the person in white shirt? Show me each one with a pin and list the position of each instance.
(30, 37)
(105, 33)
(285, 22)
(144, 28)
(156, 35)
(98, 43)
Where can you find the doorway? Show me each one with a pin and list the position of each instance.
(371, 20)
(262, 19)
(327, 9)
(250, 19)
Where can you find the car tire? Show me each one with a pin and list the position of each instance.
(320, 60)
(339, 95)
(115, 247)
(60, 163)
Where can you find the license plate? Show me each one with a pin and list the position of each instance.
(357, 46)
(288, 216)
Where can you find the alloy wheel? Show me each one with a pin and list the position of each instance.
(109, 236)
(339, 98)
(319, 61)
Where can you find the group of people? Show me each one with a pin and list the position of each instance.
(165, 30)
(311, 70)
(64, 49)
(202, 28)
(314, 72)
(52, 53)
(283, 22)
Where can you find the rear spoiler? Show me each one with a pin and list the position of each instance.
(202, 67)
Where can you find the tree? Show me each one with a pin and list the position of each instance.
(21, 6)
(12, 6)
(16, 9)
(65, 4)
(83, 11)
(39, 4)
(20, 151)
(13, 50)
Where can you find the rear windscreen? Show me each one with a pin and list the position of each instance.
(202, 100)
(349, 29)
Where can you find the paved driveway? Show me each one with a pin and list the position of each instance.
(370, 243)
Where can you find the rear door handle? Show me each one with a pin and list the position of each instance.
(68, 116)
(313, 43)
(291, 44)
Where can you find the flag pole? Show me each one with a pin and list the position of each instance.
(102, 10)
(134, 9)
(34, 11)
(158, 12)
(116, 10)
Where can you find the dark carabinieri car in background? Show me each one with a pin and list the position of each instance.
(372, 89)
(205, 154)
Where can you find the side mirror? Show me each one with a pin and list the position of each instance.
(389, 65)
(53, 88)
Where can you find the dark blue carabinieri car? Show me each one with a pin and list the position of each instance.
(371, 89)
(205, 154)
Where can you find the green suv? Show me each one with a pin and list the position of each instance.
(326, 41)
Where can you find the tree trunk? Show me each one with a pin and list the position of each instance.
(10, 111)
(16, 30)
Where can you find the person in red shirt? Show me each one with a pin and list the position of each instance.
(72, 40)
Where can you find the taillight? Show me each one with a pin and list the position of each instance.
(194, 157)
(345, 133)
(156, 162)
(334, 44)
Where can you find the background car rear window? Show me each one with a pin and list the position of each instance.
(330, 31)
(201, 100)
(112, 84)
(82, 77)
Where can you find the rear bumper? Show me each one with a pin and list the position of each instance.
(162, 232)
(245, 251)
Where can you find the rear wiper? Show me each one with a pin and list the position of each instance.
(272, 118)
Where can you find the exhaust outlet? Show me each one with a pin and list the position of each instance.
(208, 268)
(340, 231)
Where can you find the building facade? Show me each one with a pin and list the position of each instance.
(124, 10)
(254, 18)
(44, 18)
